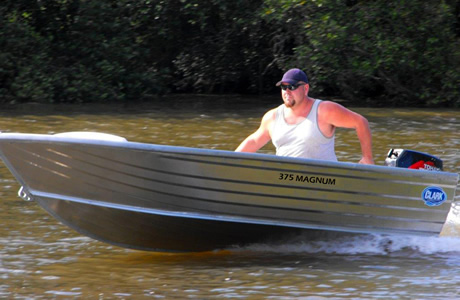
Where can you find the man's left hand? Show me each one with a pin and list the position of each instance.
(367, 161)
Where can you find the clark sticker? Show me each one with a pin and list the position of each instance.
(434, 196)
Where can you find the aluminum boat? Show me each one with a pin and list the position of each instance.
(168, 198)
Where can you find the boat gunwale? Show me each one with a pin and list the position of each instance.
(48, 138)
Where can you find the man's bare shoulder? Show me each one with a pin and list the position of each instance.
(270, 115)
(328, 106)
(330, 109)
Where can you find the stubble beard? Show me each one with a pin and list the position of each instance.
(289, 103)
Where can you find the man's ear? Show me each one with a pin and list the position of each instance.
(307, 87)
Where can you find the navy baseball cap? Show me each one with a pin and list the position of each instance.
(293, 76)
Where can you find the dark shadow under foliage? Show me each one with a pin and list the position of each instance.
(369, 52)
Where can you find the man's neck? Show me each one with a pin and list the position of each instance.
(299, 112)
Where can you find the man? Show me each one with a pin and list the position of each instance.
(305, 127)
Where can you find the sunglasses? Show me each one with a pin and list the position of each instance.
(291, 87)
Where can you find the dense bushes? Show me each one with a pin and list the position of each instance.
(375, 52)
(404, 52)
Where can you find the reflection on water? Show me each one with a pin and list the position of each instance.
(42, 259)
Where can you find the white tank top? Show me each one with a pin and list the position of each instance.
(303, 139)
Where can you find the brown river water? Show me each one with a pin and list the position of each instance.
(43, 259)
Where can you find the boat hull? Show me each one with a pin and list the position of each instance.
(154, 197)
(164, 233)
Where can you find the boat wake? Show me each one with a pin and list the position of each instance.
(374, 244)
(366, 244)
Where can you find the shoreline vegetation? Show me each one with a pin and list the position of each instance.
(186, 103)
(364, 53)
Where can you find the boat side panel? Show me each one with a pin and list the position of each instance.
(261, 189)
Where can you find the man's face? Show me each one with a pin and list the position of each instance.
(292, 94)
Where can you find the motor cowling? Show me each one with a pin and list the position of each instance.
(411, 159)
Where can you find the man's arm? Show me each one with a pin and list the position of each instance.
(260, 137)
(339, 116)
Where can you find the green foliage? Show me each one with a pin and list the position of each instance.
(77, 51)
(395, 52)
(401, 52)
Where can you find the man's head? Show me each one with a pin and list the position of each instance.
(290, 83)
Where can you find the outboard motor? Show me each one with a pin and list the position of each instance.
(413, 160)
